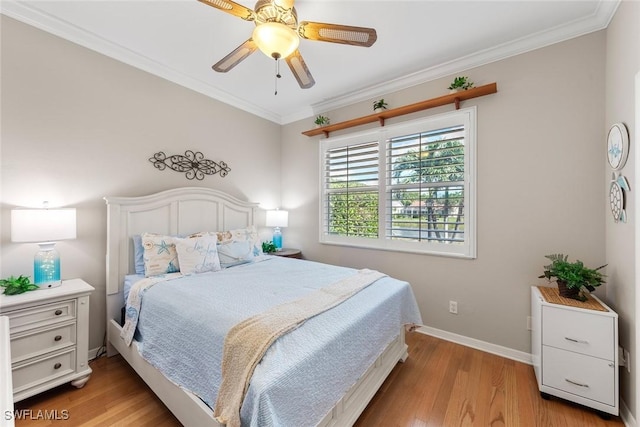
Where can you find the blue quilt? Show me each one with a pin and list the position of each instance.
(182, 325)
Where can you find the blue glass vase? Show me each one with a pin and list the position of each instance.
(46, 266)
(277, 238)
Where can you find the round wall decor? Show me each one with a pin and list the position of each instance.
(617, 197)
(617, 146)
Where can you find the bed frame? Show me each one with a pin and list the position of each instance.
(188, 210)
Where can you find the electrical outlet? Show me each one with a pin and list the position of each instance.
(528, 323)
(453, 307)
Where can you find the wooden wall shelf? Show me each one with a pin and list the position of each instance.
(454, 98)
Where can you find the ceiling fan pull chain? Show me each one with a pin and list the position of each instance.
(277, 73)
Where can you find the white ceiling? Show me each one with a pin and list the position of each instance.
(417, 41)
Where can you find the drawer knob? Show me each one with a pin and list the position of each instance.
(57, 365)
(576, 340)
(58, 312)
(58, 338)
(576, 383)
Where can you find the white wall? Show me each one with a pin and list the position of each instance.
(78, 126)
(540, 151)
(622, 64)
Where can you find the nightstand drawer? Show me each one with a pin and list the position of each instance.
(583, 332)
(32, 344)
(581, 375)
(43, 370)
(41, 315)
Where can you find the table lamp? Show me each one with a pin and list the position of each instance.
(45, 227)
(277, 218)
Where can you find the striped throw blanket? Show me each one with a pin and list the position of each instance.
(247, 342)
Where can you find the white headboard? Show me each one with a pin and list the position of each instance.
(178, 211)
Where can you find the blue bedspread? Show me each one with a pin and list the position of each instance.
(183, 323)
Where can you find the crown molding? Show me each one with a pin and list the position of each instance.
(34, 17)
(597, 21)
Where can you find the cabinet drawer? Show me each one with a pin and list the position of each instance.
(40, 341)
(41, 315)
(585, 376)
(42, 370)
(581, 332)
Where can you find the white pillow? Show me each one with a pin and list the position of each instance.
(160, 255)
(198, 254)
(248, 234)
(234, 253)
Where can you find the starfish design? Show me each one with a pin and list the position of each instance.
(615, 151)
(163, 247)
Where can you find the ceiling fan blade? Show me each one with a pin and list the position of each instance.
(334, 33)
(300, 70)
(232, 8)
(235, 57)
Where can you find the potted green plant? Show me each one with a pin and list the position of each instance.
(572, 277)
(321, 120)
(460, 83)
(17, 285)
(268, 247)
(379, 105)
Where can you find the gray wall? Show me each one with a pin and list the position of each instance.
(622, 64)
(78, 126)
(540, 169)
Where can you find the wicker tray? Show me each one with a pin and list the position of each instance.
(552, 295)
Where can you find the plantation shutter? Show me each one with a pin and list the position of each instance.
(425, 191)
(407, 187)
(351, 190)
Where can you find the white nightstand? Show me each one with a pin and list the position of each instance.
(49, 330)
(575, 349)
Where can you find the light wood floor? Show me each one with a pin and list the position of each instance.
(440, 384)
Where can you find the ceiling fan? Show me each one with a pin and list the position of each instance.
(278, 34)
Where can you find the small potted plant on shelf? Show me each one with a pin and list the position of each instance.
(572, 277)
(321, 121)
(460, 83)
(379, 105)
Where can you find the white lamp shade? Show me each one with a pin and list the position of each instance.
(42, 225)
(275, 38)
(277, 218)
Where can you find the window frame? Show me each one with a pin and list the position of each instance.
(468, 249)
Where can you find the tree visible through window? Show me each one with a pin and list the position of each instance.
(426, 173)
(406, 187)
(352, 190)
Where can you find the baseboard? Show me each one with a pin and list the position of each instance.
(509, 353)
(93, 352)
(626, 415)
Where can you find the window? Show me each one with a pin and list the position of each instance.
(406, 187)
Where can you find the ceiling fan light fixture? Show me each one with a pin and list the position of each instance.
(275, 40)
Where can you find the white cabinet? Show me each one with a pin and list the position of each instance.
(575, 350)
(49, 335)
(6, 386)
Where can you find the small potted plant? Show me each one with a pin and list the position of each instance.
(379, 105)
(17, 285)
(321, 121)
(268, 247)
(572, 277)
(460, 83)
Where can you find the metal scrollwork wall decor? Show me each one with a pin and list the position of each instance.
(192, 163)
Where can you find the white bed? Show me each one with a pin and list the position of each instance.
(188, 210)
